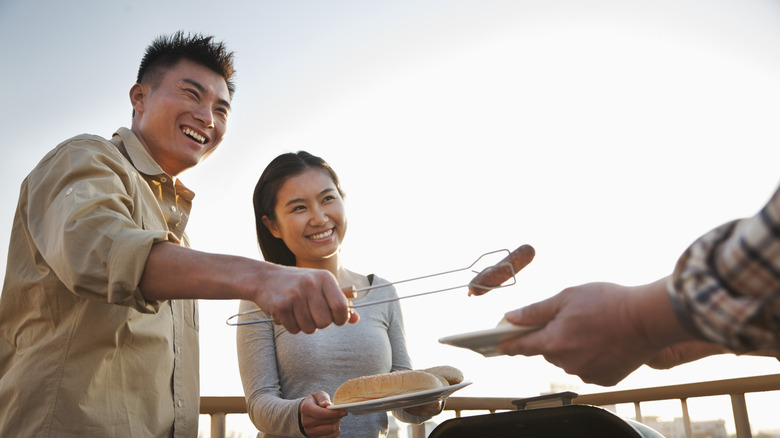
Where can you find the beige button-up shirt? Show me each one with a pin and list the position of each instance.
(82, 353)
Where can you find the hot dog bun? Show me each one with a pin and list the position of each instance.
(502, 271)
(384, 385)
(441, 378)
(451, 375)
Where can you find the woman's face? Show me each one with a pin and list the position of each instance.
(310, 216)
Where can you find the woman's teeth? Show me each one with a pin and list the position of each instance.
(194, 135)
(321, 235)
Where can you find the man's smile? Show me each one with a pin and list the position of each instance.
(194, 135)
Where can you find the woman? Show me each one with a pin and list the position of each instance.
(288, 379)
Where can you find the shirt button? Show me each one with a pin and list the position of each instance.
(180, 403)
(173, 208)
(163, 180)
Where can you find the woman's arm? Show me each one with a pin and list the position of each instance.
(266, 406)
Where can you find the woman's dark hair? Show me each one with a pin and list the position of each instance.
(265, 196)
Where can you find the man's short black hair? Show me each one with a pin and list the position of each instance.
(167, 50)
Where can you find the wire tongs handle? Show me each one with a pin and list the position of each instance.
(439, 274)
(371, 303)
(349, 292)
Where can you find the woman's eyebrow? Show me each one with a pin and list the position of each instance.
(301, 200)
(294, 201)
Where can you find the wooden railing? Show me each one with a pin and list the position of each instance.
(219, 407)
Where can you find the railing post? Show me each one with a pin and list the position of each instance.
(637, 412)
(686, 418)
(418, 430)
(218, 425)
(741, 421)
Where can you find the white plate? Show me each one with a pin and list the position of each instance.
(400, 401)
(485, 342)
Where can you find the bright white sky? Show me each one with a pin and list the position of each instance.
(607, 134)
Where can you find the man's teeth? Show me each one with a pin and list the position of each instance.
(192, 134)
(321, 235)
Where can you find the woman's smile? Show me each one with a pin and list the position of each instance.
(320, 236)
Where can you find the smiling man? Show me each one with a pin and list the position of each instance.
(98, 314)
(180, 114)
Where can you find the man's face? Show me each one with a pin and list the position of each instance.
(183, 119)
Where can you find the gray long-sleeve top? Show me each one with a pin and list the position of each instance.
(279, 369)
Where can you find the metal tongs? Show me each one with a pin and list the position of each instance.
(368, 288)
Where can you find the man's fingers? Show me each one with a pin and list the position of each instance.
(304, 318)
(539, 313)
(349, 292)
(314, 302)
(335, 302)
(527, 344)
(287, 319)
(319, 311)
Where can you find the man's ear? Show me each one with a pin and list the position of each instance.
(137, 95)
(272, 227)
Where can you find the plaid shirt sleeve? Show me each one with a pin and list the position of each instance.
(726, 286)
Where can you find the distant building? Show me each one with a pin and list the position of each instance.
(676, 427)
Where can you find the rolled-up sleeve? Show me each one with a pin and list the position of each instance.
(87, 225)
(726, 286)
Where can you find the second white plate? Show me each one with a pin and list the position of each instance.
(485, 342)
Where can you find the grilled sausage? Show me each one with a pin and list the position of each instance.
(502, 271)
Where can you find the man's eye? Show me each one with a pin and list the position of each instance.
(194, 93)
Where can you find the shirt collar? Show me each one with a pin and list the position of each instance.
(144, 162)
(138, 154)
